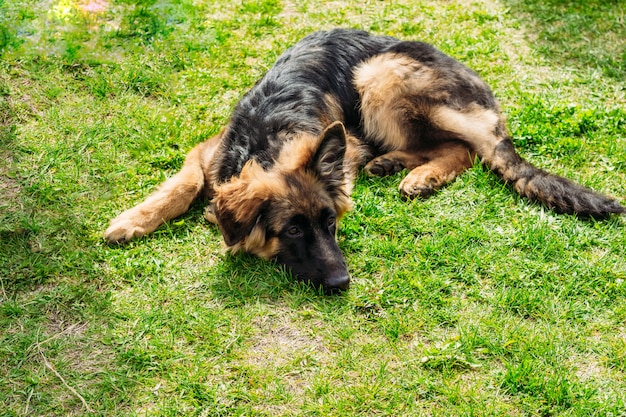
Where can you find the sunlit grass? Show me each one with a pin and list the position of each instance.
(473, 302)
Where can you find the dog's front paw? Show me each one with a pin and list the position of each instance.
(123, 229)
(209, 213)
(382, 166)
(413, 186)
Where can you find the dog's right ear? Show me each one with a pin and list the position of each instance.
(239, 205)
(327, 162)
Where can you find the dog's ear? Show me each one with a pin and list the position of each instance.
(327, 162)
(236, 228)
(239, 205)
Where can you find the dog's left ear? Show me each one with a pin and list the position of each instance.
(235, 228)
(239, 205)
(327, 162)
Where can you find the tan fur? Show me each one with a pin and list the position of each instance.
(475, 125)
(385, 84)
(242, 198)
(257, 244)
(297, 152)
(335, 112)
(244, 194)
(356, 156)
(171, 199)
(380, 82)
(444, 164)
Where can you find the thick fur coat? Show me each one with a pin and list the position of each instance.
(280, 174)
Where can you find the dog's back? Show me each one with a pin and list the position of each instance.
(309, 87)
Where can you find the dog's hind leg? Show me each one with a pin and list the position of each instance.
(170, 200)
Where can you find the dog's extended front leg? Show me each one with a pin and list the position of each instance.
(445, 163)
(430, 168)
(170, 200)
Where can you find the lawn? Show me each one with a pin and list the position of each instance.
(473, 302)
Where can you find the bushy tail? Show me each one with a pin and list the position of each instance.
(556, 193)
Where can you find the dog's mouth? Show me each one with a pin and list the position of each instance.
(330, 285)
(328, 273)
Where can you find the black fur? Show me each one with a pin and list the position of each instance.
(289, 99)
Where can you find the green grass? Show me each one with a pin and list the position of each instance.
(472, 302)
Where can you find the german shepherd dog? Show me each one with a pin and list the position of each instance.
(280, 174)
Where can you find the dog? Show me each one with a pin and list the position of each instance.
(279, 176)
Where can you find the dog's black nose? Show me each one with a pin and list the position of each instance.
(338, 283)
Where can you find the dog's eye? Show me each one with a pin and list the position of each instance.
(294, 231)
(332, 221)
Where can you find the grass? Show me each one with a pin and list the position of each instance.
(472, 302)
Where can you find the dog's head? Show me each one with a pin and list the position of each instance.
(290, 212)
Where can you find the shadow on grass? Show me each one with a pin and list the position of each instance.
(242, 279)
(576, 33)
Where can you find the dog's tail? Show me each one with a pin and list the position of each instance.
(484, 130)
(555, 192)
